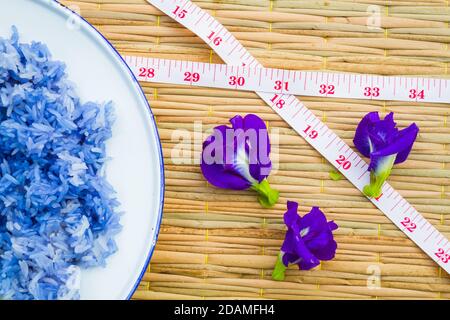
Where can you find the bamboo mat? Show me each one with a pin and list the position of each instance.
(222, 244)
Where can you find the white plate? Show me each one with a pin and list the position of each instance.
(136, 169)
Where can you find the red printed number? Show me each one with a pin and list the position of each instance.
(280, 85)
(236, 81)
(342, 160)
(327, 89)
(179, 13)
(147, 73)
(444, 257)
(311, 133)
(280, 103)
(416, 94)
(194, 77)
(371, 92)
(408, 224)
(216, 40)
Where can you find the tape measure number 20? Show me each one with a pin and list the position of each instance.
(270, 85)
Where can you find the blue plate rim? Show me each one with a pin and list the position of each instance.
(158, 142)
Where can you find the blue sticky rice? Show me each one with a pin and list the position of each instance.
(58, 214)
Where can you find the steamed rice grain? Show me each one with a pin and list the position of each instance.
(58, 214)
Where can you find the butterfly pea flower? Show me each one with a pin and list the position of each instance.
(308, 240)
(237, 158)
(385, 145)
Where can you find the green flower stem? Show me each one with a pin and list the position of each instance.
(266, 195)
(335, 175)
(377, 179)
(280, 269)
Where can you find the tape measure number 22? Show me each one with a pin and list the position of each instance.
(270, 85)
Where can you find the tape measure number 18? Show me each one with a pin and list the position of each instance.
(303, 121)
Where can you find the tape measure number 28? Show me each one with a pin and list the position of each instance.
(276, 87)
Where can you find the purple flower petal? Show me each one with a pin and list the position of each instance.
(385, 145)
(361, 140)
(237, 157)
(245, 147)
(325, 252)
(221, 178)
(308, 264)
(259, 148)
(220, 174)
(382, 131)
(400, 146)
(291, 218)
(332, 225)
(289, 258)
(313, 223)
(308, 239)
(291, 241)
(297, 252)
(377, 138)
(319, 237)
(408, 136)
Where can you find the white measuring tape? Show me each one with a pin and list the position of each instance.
(276, 87)
(303, 83)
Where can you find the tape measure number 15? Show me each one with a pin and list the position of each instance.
(303, 121)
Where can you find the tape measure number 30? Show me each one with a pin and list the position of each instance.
(241, 64)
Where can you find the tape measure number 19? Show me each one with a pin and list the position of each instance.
(304, 122)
